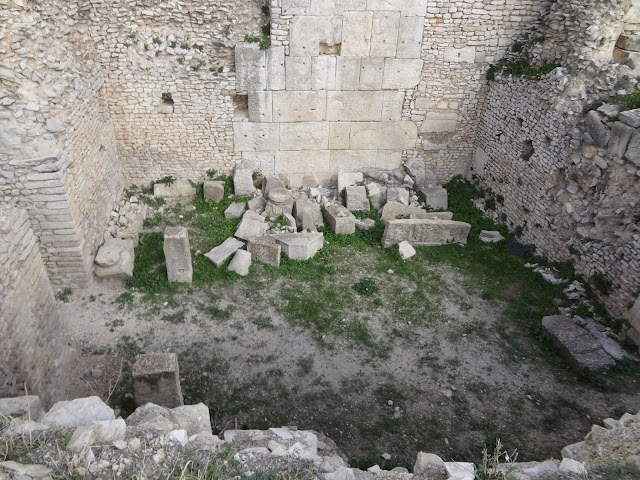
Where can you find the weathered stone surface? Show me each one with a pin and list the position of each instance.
(81, 411)
(356, 34)
(23, 471)
(235, 210)
(351, 105)
(348, 179)
(275, 68)
(356, 199)
(460, 470)
(192, 418)
(406, 250)
(577, 344)
(260, 106)
(251, 226)
(401, 73)
(250, 63)
(384, 34)
(340, 219)
(460, 55)
(439, 122)
(303, 162)
(257, 204)
(491, 236)
(620, 135)
(634, 314)
(394, 210)
(240, 263)
(347, 73)
(156, 379)
(300, 246)
(597, 128)
(256, 137)
(425, 232)
(27, 406)
(631, 117)
(222, 252)
(304, 136)
(323, 72)
(270, 182)
(179, 188)
(275, 210)
(213, 191)
(382, 135)
(265, 249)
(307, 214)
(422, 176)
(398, 195)
(115, 259)
(102, 433)
(410, 37)
(299, 106)
(243, 182)
(371, 73)
(436, 197)
(426, 460)
(177, 254)
(633, 149)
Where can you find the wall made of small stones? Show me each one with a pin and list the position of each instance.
(573, 200)
(34, 348)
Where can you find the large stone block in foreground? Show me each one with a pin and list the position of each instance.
(179, 188)
(341, 220)
(576, 344)
(156, 379)
(300, 246)
(115, 259)
(265, 249)
(425, 232)
(395, 210)
(177, 254)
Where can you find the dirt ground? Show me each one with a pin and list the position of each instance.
(425, 364)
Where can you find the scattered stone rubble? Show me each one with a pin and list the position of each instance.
(154, 439)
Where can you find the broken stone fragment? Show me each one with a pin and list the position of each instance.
(156, 379)
(114, 259)
(356, 199)
(235, 210)
(436, 197)
(257, 204)
(300, 246)
(394, 210)
(179, 188)
(243, 182)
(597, 128)
(425, 232)
(213, 191)
(265, 249)
(490, 236)
(252, 225)
(348, 179)
(240, 263)
(81, 411)
(340, 219)
(398, 194)
(406, 250)
(222, 252)
(307, 214)
(177, 254)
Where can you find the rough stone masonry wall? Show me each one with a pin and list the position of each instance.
(574, 200)
(58, 156)
(170, 85)
(34, 348)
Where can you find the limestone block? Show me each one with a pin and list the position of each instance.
(597, 128)
(629, 42)
(425, 461)
(392, 102)
(410, 32)
(371, 73)
(304, 136)
(306, 33)
(356, 199)
(460, 470)
(323, 72)
(243, 182)
(310, 106)
(460, 55)
(436, 197)
(275, 210)
(401, 73)
(81, 411)
(425, 232)
(339, 135)
(260, 106)
(377, 194)
(213, 191)
(262, 162)
(386, 160)
(17, 470)
(439, 122)
(265, 249)
(490, 236)
(348, 179)
(177, 254)
(341, 6)
(298, 73)
(633, 149)
(257, 204)
(631, 117)
(624, 55)
(576, 344)
(27, 406)
(384, 34)
(395, 210)
(295, 7)
(340, 219)
(251, 227)
(300, 246)
(192, 418)
(178, 188)
(634, 315)
(222, 252)
(352, 105)
(313, 161)
(383, 135)
(270, 182)
(406, 250)
(235, 210)
(240, 263)
(251, 67)
(115, 259)
(345, 161)
(275, 68)
(156, 379)
(356, 33)
(347, 73)
(256, 137)
(307, 214)
(102, 433)
(398, 195)
(422, 176)
(620, 136)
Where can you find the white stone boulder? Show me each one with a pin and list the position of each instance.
(240, 263)
(81, 411)
(218, 255)
(27, 406)
(243, 182)
(300, 246)
(114, 259)
(179, 188)
(102, 433)
(406, 250)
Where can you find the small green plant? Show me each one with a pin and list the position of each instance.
(173, 44)
(157, 41)
(366, 287)
(175, 317)
(64, 294)
(185, 46)
(517, 47)
(602, 284)
(198, 47)
(180, 60)
(491, 462)
(251, 38)
(537, 40)
(263, 322)
(266, 10)
(211, 174)
(168, 180)
(125, 298)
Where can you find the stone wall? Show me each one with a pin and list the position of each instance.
(34, 347)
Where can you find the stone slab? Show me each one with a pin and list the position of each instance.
(304, 106)
(235, 210)
(240, 263)
(356, 199)
(631, 117)
(356, 34)
(80, 411)
(460, 55)
(633, 149)
(300, 246)
(340, 219)
(392, 103)
(298, 73)
(304, 136)
(275, 69)
(406, 250)
(307, 214)
(323, 72)
(436, 197)
(256, 137)
(620, 136)
(597, 128)
(117, 258)
(218, 255)
(260, 106)
(383, 135)
(384, 34)
(243, 182)
(351, 105)
(425, 232)
(156, 379)
(371, 73)
(177, 254)
(250, 227)
(401, 73)
(347, 73)
(179, 188)
(398, 195)
(251, 69)
(410, 32)
(576, 344)
(27, 407)
(257, 204)
(305, 162)
(265, 249)
(439, 122)
(348, 179)
(339, 135)
(345, 161)
(213, 191)
(395, 210)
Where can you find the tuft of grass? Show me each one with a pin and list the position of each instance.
(366, 287)
(64, 294)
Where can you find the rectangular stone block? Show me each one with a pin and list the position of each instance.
(620, 135)
(323, 72)
(308, 106)
(401, 73)
(311, 161)
(460, 55)
(275, 68)
(177, 254)
(383, 135)
(295, 7)
(425, 232)
(384, 34)
(410, 33)
(298, 73)
(356, 34)
(439, 122)
(256, 137)
(345, 161)
(263, 162)
(395, 210)
(392, 102)
(341, 6)
(265, 249)
(387, 160)
(251, 67)
(634, 314)
(300, 246)
(220, 254)
(356, 199)
(340, 219)
(384, 5)
(371, 73)
(261, 106)
(243, 182)
(354, 105)
(156, 379)
(307, 213)
(436, 197)
(633, 149)
(347, 73)
(304, 136)
(339, 135)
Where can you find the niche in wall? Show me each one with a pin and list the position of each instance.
(167, 105)
(241, 105)
(527, 150)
